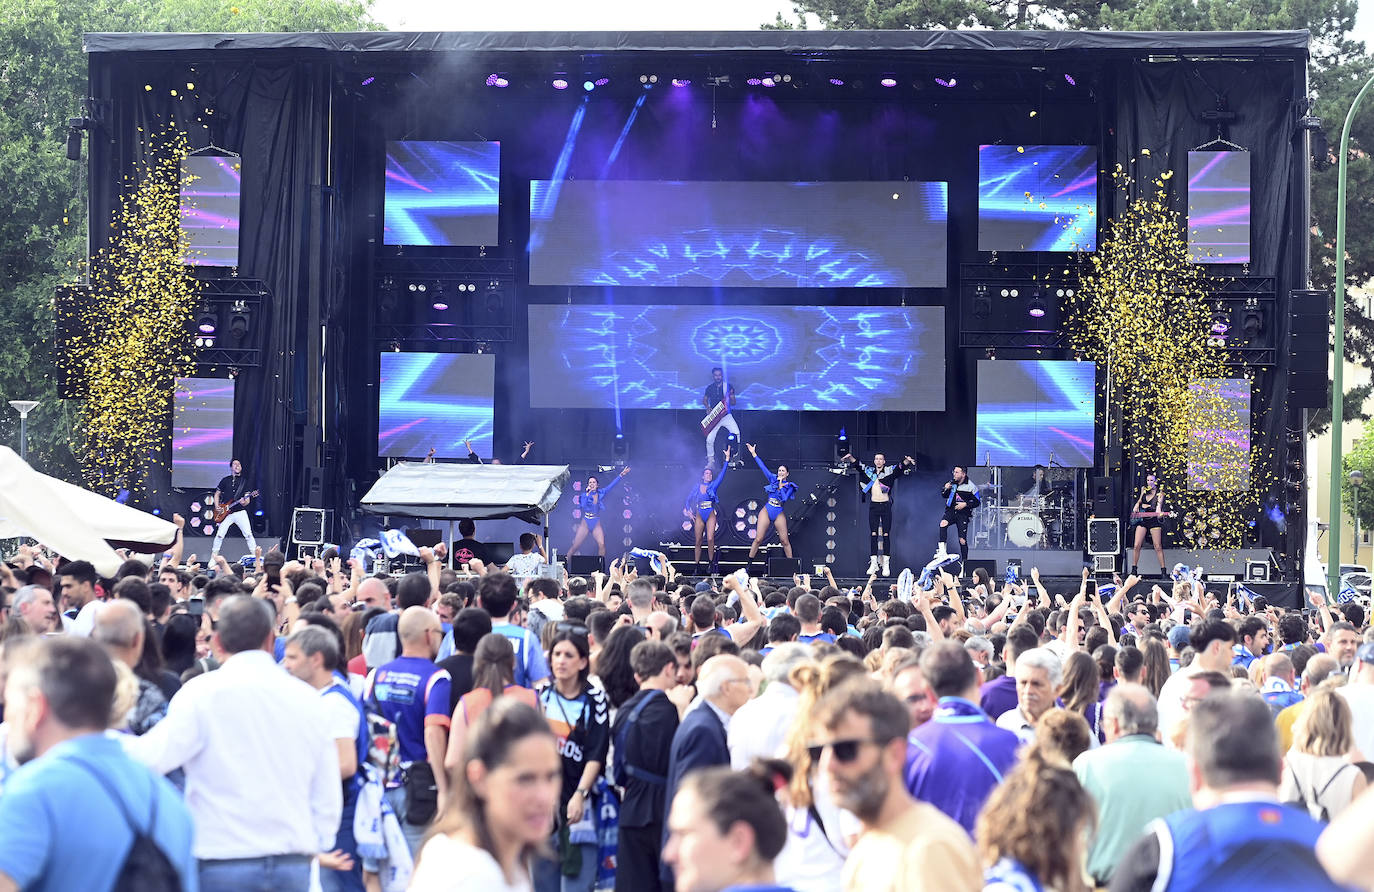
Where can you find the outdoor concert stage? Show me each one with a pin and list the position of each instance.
(410, 241)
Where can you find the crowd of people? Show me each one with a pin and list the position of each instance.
(305, 725)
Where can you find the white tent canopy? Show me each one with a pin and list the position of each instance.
(76, 523)
(481, 492)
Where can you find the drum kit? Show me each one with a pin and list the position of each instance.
(1043, 517)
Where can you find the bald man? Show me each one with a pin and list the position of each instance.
(120, 628)
(413, 692)
(373, 593)
(1280, 683)
(723, 686)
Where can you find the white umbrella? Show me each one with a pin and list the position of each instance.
(74, 522)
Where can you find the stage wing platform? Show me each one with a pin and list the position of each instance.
(456, 491)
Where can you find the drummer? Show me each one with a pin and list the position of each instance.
(1035, 487)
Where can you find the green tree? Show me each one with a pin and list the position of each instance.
(42, 232)
(1360, 458)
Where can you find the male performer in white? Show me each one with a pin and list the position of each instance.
(233, 488)
(718, 392)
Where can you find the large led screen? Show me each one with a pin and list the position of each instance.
(778, 358)
(202, 431)
(435, 401)
(1037, 198)
(1219, 207)
(1219, 435)
(1036, 411)
(210, 210)
(441, 193)
(738, 235)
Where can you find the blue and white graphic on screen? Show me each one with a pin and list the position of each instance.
(435, 401)
(777, 358)
(1033, 411)
(1037, 198)
(441, 193)
(738, 234)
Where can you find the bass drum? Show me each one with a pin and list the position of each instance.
(1026, 530)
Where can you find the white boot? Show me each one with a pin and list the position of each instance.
(872, 565)
(887, 565)
(941, 551)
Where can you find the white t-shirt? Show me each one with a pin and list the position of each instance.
(450, 865)
(341, 718)
(1361, 700)
(524, 564)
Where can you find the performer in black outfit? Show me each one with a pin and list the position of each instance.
(1151, 502)
(1036, 485)
(233, 490)
(717, 392)
(961, 497)
(876, 482)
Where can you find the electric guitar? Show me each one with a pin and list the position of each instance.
(228, 508)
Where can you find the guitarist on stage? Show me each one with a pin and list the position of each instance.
(718, 393)
(1148, 514)
(232, 492)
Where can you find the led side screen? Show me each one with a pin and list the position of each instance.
(1035, 411)
(210, 210)
(738, 235)
(435, 401)
(1219, 207)
(202, 431)
(442, 193)
(888, 359)
(1219, 439)
(1037, 198)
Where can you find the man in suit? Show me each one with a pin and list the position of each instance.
(723, 686)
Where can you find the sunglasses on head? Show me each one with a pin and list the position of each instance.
(845, 751)
(570, 626)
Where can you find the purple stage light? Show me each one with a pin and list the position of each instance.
(492, 79)
(502, 82)
(1072, 82)
(681, 82)
(836, 81)
(888, 81)
(1037, 312)
(207, 327)
(946, 82)
(560, 83)
(440, 305)
(367, 80)
(602, 81)
(754, 81)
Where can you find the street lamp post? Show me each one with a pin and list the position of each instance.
(24, 407)
(1356, 481)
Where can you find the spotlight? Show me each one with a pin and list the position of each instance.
(588, 86)
(837, 82)
(602, 81)
(648, 79)
(238, 323)
(841, 444)
(367, 80)
(1251, 322)
(754, 81)
(73, 144)
(1011, 292)
(440, 305)
(1037, 308)
(982, 302)
(888, 80)
(206, 322)
(1069, 78)
(768, 81)
(560, 82)
(682, 82)
(497, 80)
(1221, 327)
(946, 82)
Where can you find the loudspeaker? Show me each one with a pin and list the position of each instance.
(990, 566)
(309, 526)
(585, 564)
(1104, 535)
(1309, 327)
(783, 567)
(314, 494)
(1104, 496)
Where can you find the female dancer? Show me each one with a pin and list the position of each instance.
(590, 501)
(779, 490)
(1149, 502)
(701, 505)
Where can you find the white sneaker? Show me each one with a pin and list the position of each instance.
(872, 565)
(887, 565)
(940, 550)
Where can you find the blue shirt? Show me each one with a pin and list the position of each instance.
(412, 693)
(954, 760)
(531, 667)
(60, 829)
(823, 637)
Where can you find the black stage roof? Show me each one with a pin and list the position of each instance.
(1247, 44)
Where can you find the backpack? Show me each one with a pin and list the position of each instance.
(1314, 806)
(146, 867)
(383, 749)
(623, 769)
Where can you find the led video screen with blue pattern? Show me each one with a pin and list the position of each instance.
(888, 359)
(738, 234)
(202, 431)
(211, 186)
(1219, 435)
(435, 401)
(1032, 411)
(1037, 198)
(441, 193)
(1219, 207)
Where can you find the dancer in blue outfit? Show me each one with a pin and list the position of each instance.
(591, 501)
(779, 490)
(702, 505)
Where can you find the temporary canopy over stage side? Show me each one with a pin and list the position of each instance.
(481, 492)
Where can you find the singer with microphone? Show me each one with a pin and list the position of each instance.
(961, 497)
(1148, 514)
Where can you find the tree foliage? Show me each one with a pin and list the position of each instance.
(42, 232)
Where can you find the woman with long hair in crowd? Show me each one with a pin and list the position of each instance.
(1079, 690)
(818, 832)
(725, 829)
(1157, 667)
(579, 715)
(1317, 771)
(503, 787)
(1033, 832)
(613, 668)
(493, 677)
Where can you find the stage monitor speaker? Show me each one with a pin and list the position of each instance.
(1104, 536)
(585, 564)
(1104, 563)
(314, 495)
(309, 526)
(989, 566)
(1256, 571)
(783, 567)
(424, 538)
(1104, 497)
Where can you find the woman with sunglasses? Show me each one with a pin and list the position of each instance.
(497, 817)
(725, 829)
(493, 677)
(580, 717)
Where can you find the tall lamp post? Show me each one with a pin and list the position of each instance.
(24, 407)
(1333, 564)
(1356, 481)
